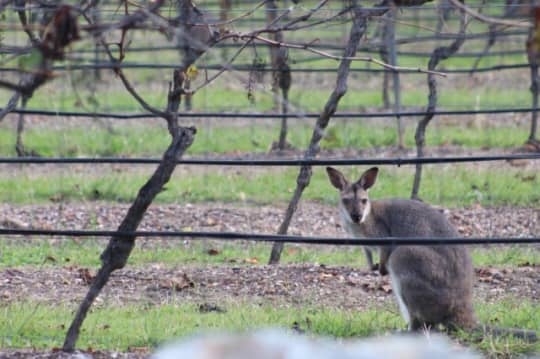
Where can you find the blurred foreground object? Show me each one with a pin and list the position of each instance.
(275, 344)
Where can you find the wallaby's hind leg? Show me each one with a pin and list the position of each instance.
(384, 256)
(421, 300)
(396, 287)
(369, 258)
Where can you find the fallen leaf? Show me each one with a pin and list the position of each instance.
(353, 281)
(177, 284)
(14, 272)
(138, 349)
(86, 275)
(528, 178)
(207, 308)
(213, 252)
(14, 223)
(369, 287)
(323, 276)
(57, 197)
(292, 251)
(253, 260)
(50, 259)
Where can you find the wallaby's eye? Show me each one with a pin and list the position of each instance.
(363, 200)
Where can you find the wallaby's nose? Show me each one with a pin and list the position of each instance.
(355, 217)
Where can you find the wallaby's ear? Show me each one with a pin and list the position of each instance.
(336, 178)
(368, 178)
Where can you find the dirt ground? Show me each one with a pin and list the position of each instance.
(344, 287)
(311, 219)
(299, 284)
(214, 287)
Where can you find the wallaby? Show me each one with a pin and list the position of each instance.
(433, 284)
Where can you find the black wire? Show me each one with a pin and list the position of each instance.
(271, 115)
(397, 161)
(369, 50)
(247, 68)
(277, 238)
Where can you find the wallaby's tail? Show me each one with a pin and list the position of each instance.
(529, 336)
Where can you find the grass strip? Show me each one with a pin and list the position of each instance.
(36, 325)
(57, 253)
(448, 185)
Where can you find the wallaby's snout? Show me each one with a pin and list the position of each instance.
(355, 217)
(354, 207)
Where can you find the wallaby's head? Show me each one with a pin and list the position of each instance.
(354, 200)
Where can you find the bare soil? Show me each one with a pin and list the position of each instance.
(311, 218)
(299, 284)
(345, 287)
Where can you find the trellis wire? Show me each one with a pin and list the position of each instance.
(284, 9)
(257, 237)
(368, 49)
(397, 161)
(259, 115)
(247, 68)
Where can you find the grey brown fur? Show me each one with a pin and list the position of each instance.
(433, 284)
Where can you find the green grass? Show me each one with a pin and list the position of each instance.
(140, 140)
(41, 252)
(119, 328)
(24, 324)
(220, 99)
(456, 185)
(507, 314)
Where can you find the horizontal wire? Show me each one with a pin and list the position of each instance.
(277, 238)
(397, 161)
(414, 39)
(500, 53)
(204, 8)
(248, 68)
(260, 115)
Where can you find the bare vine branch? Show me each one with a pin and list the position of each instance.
(118, 250)
(358, 28)
(24, 22)
(488, 19)
(533, 55)
(11, 105)
(339, 58)
(439, 54)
